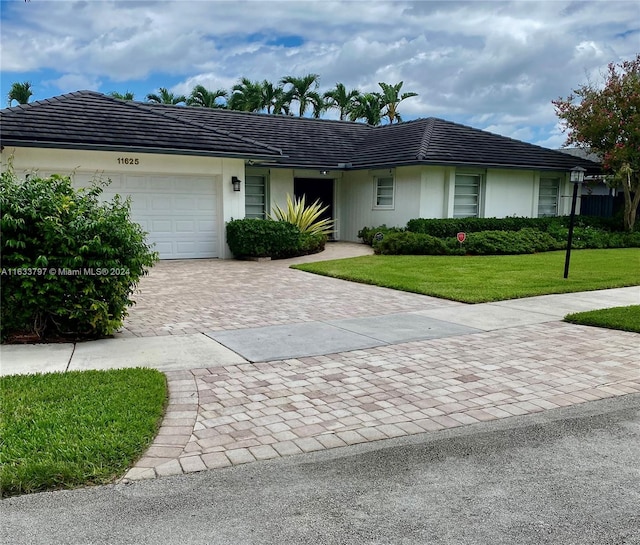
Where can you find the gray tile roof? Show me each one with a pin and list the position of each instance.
(439, 142)
(90, 120)
(313, 143)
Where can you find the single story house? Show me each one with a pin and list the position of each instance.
(191, 170)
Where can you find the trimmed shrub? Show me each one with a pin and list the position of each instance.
(406, 243)
(525, 241)
(312, 243)
(444, 228)
(594, 238)
(263, 238)
(367, 234)
(69, 262)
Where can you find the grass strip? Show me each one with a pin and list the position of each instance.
(64, 430)
(623, 318)
(481, 279)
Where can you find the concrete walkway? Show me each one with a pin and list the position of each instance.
(272, 361)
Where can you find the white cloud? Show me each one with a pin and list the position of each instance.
(73, 82)
(491, 63)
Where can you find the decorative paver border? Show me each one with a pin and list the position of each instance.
(224, 416)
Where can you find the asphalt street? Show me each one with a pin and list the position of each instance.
(565, 476)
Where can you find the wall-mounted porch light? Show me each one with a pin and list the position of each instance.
(235, 181)
(324, 172)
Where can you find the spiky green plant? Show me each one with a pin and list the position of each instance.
(307, 218)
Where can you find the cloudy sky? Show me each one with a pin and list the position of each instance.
(490, 64)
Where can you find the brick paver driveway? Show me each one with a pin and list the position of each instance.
(234, 414)
(196, 296)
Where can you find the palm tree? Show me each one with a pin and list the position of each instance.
(391, 97)
(203, 98)
(274, 99)
(165, 97)
(318, 103)
(340, 99)
(126, 96)
(20, 92)
(303, 91)
(246, 96)
(368, 107)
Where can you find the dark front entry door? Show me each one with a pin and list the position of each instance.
(315, 189)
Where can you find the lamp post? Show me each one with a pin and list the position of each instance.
(577, 177)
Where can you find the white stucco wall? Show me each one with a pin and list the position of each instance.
(510, 193)
(87, 164)
(428, 192)
(357, 206)
(434, 192)
(280, 185)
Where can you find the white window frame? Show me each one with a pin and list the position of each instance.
(265, 194)
(558, 182)
(479, 195)
(377, 196)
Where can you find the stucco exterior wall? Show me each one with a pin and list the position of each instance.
(510, 193)
(356, 196)
(428, 192)
(434, 193)
(280, 185)
(86, 164)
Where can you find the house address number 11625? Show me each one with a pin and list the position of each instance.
(128, 161)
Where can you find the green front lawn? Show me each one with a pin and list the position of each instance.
(624, 318)
(63, 430)
(480, 279)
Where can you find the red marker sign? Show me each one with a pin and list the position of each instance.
(461, 237)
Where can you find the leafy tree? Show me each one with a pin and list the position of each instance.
(367, 107)
(341, 99)
(246, 96)
(390, 98)
(126, 96)
(165, 97)
(20, 92)
(606, 120)
(203, 98)
(274, 99)
(303, 91)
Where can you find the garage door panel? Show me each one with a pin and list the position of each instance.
(185, 205)
(161, 226)
(163, 248)
(163, 183)
(161, 203)
(206, 226)
(182, 226)
(135, 183)
(178, 212)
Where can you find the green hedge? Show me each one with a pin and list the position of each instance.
(268, 238)
(513, 236)
(406, 243)
(69, 261)
(443, 228)
(525, 241)
(367, 234)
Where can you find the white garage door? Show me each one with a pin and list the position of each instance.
(178, 212)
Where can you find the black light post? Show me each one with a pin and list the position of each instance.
(577, 176)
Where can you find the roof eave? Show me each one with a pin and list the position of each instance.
(452, 163)
(133, 149)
